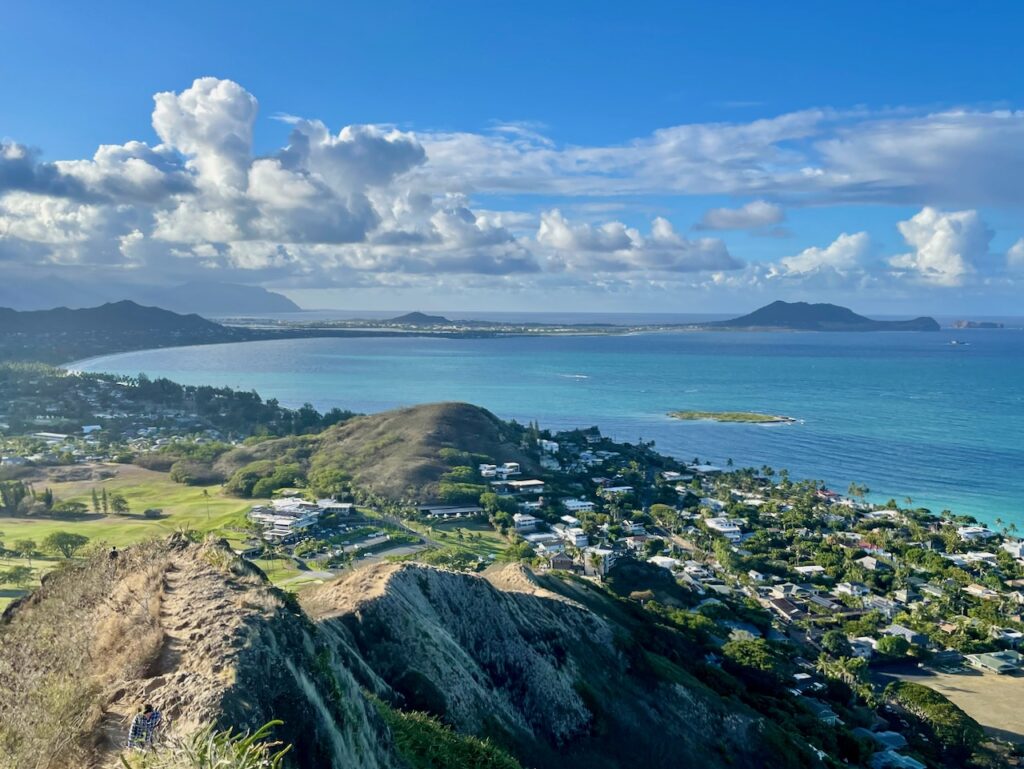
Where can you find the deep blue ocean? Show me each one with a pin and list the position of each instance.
(907, 414)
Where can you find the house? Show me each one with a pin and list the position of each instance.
(525, 487)
(1007, 636)
(672, 564)
(823, 602)
(1015, 548)
(786, 590)
(559, 560)
(974, 533)
(886, 606)
(523, 522)
(871, 563)
(905, 595)
(756, 576)
(609, 492)
(509, 468)
(932, 591)
(996, 662)
(822, 712)
(451, 511)
(598, 560)
(548, 447)
(488, 471)
(334, 506)
(863, 647)
(578, 506)
(912, 636)
(726, 527)
(633, 529)
(543, 541)
(982, 592)
(572, 535)
(855, 589)
(810, 571)
(709, 470)
(884, 740)
(785, 609)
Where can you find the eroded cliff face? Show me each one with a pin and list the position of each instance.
(552, 680)
(555, 671)
(194, 631)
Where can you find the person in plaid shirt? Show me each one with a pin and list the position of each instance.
(143, 728)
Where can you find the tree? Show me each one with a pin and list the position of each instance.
(19, 576)
(753, 653)
(70, 507)
(596, 563)
(65, 543)
(893, 646)
(118, 503)
(104, 502)
(835, 643)
(95, 501)
(26, 548)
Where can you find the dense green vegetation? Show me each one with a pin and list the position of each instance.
(425, 743)
(957, 733)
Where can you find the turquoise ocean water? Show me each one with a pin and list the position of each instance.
(907, 414)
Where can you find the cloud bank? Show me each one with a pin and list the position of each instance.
(374, 205)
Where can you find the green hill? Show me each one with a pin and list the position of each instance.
(401, 454)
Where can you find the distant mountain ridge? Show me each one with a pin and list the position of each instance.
(64, 334)
(803, 316)
(113, 316)
(210, 299)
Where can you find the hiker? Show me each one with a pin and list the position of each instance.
(143, 729)
(113, 554)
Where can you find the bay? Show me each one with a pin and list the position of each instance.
(907, 414)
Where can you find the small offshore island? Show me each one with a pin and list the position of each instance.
(748, 417)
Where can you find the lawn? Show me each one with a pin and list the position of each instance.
(478, 537)
(184, 508)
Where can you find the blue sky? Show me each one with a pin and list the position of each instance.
(511, 156)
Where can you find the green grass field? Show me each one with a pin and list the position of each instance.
(478, 537)
(184, 508)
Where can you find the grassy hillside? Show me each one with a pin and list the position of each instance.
(393, 667)
(401, 454)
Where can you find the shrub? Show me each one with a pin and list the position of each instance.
(426, 743)
(212, 749)
(958, 733)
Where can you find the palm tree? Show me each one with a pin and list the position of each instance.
(596, 562)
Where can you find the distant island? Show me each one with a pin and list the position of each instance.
(420, 319)
(977, 324)
(803, 316)
(751, 417)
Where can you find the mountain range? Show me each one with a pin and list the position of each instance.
(204, 298)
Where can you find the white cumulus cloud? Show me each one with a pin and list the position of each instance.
(845, 254)
(947, 246)
(753, 215)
